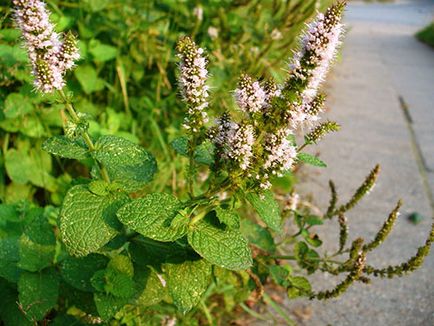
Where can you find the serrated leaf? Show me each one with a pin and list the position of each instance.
(78, 272)
(64, 147)
(34, 256)
(150, 287)
(108, 305)
(88, 221)
(311, 159)
(127, 163)
(187, 282)
(279, 274)
(37, 244)
(122, 264)
(258, 236)
(224, 248)
(38, 293)
(203, 154)
(118, 284)
(9, 257)
(267, 208)
(9, 310)
(298, 286)
(228, 217)
(153, 217)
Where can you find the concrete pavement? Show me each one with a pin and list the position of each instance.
(383, 71)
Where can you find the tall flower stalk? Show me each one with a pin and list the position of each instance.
(260, 145)
(50, 56)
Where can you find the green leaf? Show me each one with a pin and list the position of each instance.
(203, 154)
(37, 244)
(299, 286)
(180, 145)
(88, 221)
(122, 264)
(187, 282)
(64, 147)
(127, 163)
(34, 165)
(224, 248)
(267, 208)
(306, 257)
(279, 274)
(38, 293)
(102, 52)
(97, 5)
(155, 216)
(9, 257)
(78, 272)
(16, 105)
(314, 220)
(228, 217)
(88, 79)
(310, 159)
(149, 286)
(258, 236)
(118, 284)
(9, 310)
(108, 305)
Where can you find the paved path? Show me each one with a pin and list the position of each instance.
(383, 66)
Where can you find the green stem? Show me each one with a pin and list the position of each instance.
(85, 134)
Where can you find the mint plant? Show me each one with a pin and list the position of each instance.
(115, 252)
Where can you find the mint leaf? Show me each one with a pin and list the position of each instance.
(37, 245)
(258, 236)
(9, 257)
(228, 217)
(108, 305)
(88, 221)
(155, 217)
(203, 154)
(127, 163)
(267, 208)
(187, 282)
(78, 272)
(310, 159)
(149, 285)
(224, 248)
(38, 293)
(64, 147)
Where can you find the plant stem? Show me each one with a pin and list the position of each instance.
(85, 134)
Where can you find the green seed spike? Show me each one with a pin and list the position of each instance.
(320, 131)
(333, 200)
(385, 229)
(407, 267)
(367, 186)
(354, 275)
(343, 232)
